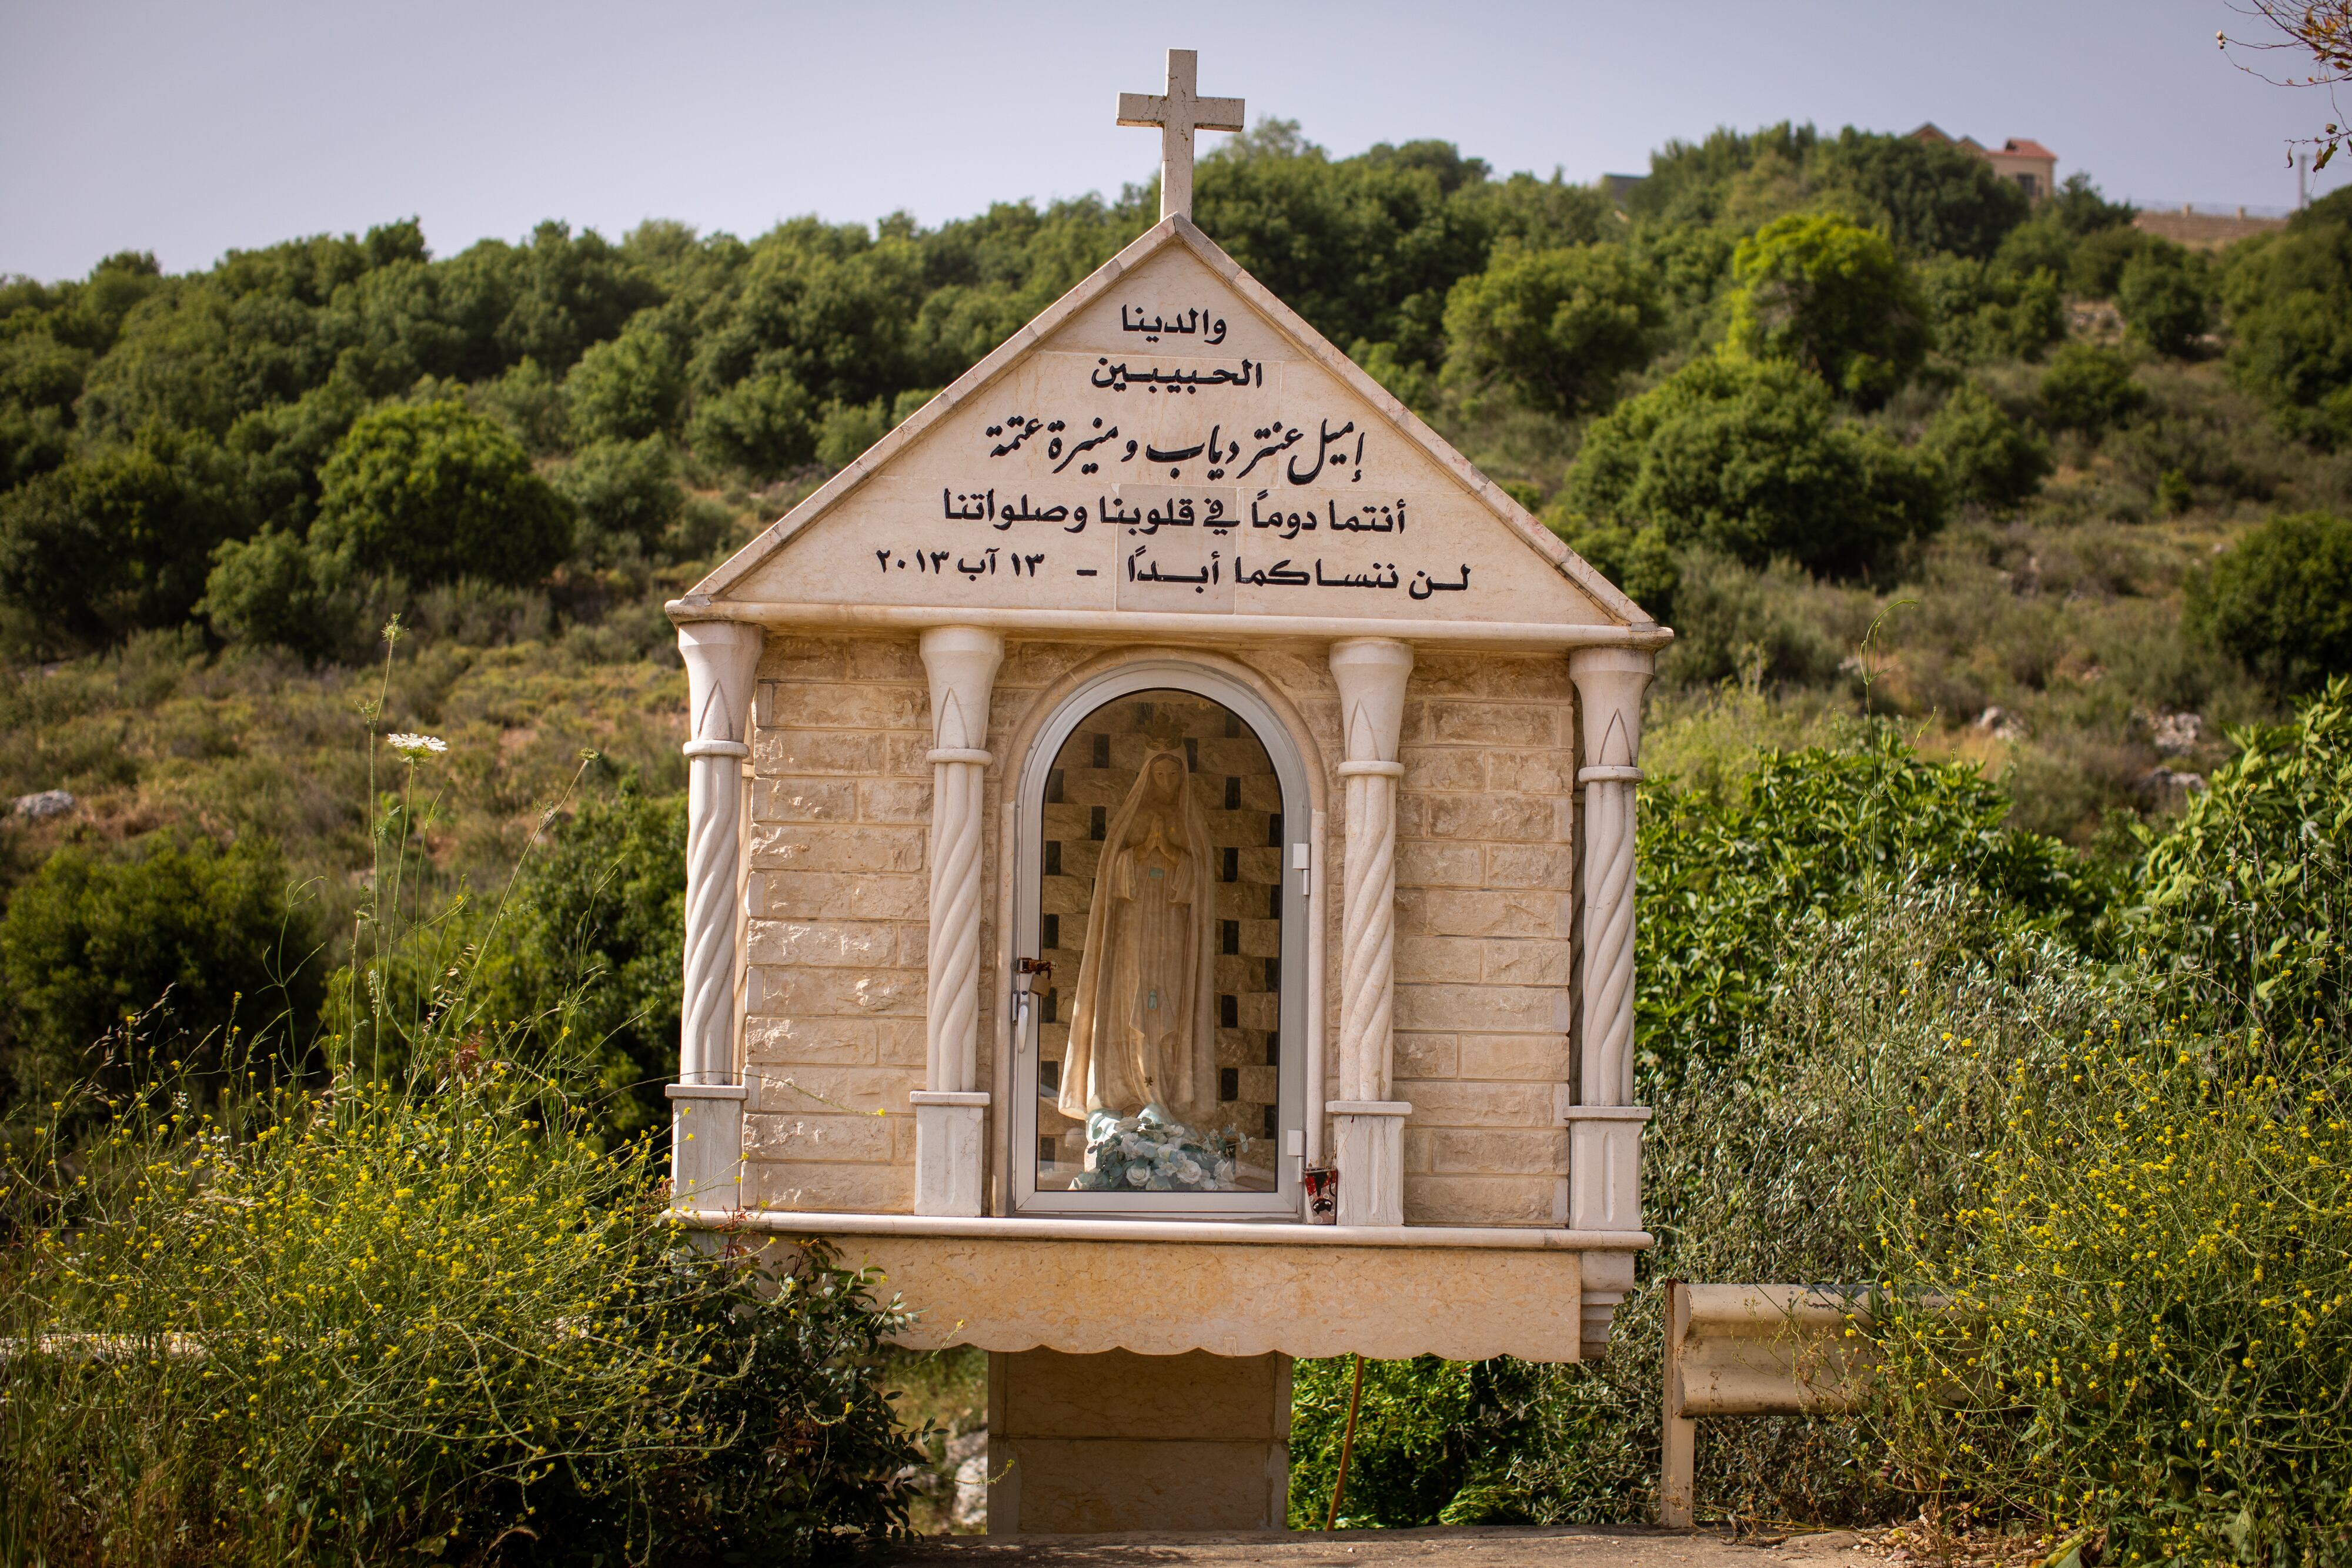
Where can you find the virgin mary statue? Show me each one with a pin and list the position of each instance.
(1143, 1044)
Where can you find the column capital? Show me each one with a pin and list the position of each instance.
(1611, 681)
(1370, 673)
(722, 656)
(961, 663)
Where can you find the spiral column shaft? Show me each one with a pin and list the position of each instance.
(953, 1018)
(1608, 1077)
(713, 861)
(1368, 938)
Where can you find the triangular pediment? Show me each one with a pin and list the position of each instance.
(1168, 437)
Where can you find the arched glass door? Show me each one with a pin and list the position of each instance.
(1161, 813)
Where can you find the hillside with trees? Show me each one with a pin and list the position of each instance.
(2064, 499)
(2009, 551)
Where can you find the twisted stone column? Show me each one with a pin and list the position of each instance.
(951, 1109)
(1368, 1126)
(1604, 1125)
(706, 1101)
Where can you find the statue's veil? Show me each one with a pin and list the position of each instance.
(1194, 1091)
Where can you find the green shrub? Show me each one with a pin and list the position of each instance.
(600, 919)
(1981, 312)
(1986, 456)
(628, 388)
(1835, 298)
(1559, 327)
(435, 493)
(626, 493)
(1812, 830)
(119, 538)
(2288, 298)
(2244, 900)
(2280, 601)
(2088, 388)
(275, 589)
(2163, 300)
(2143, 1241)
(1433, 1440)
(374, 1322)
(1747, 458)
(764, 423)
(202, 936)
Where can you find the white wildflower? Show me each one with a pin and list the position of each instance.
(415, 745)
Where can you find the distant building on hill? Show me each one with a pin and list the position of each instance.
(2032, 166)
(1621, 187)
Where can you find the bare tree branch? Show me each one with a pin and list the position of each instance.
(2318, 30)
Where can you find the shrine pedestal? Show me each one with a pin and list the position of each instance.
(1117, 1441)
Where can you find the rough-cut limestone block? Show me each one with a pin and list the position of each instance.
(1438, 1104)
(1421, 864)
(1527, 962)
(1466, 912)
(852, 1091)
(1443, 768)
(894, 801)
(1529, 724)
(831, 1189)
(803, 800)
(1085, 1444)
(1508, 1008)
(1535, 1058)
(1495, 1151)
(844, 847)
(1427, 1056)
(839, 993)
(1485, 1200)
(822, 943)
(1425, 960)
(1548, 772)
(1551, 866)
(861, 1140)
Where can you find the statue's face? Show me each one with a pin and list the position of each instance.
(1162, 781)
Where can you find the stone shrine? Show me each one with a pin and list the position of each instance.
(1161, 767)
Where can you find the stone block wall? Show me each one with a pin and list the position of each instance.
(1486, 906)
(839, 884)
(838, 889)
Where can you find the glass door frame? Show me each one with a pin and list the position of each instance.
(1028, 872)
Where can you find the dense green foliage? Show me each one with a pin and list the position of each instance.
(2280, 601)
(2289, 299)
(433, 493)
(600, 919)
(1562, 326)
(413, 1301)
(1832, 296)
(1805, 836)
(1747, 457)
(338, 1325)
(174, 939)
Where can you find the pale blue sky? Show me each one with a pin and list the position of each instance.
(187, 129)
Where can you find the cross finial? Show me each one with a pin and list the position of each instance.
(1179, 112)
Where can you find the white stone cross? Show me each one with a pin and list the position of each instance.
(1179, 112)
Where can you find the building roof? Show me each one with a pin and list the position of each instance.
(876, 494)
(2026, 146)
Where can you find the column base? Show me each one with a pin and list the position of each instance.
(1368, 1146)
(706, 1145)
(1604, 1193)
(950, 1129)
